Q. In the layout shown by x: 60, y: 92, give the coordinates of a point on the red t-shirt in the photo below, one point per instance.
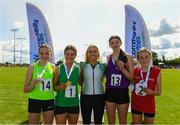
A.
x: 144, y: 103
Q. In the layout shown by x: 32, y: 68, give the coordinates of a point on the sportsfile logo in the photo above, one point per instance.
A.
x: 136, y: 40
x: 40, y: 36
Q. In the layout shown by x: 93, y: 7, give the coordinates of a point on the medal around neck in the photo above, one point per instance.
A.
x: 68, y: 83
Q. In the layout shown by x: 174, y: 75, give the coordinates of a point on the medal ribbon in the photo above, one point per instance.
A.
x: 147, y: 75
x: 43, y: 71
x: 68, y: 74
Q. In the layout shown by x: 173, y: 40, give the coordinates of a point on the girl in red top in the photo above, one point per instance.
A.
x: 147, y: 84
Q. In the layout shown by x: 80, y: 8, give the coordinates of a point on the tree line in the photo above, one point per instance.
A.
x: 156, y: 61
x: 164, y: 61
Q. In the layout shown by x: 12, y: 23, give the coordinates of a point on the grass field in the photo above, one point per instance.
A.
x: 13, y: 102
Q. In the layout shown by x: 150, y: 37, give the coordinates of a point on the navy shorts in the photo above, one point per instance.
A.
x: 70, y: 110
x: 37, y: 106
x: 150, y: 115
x: 118, y: 96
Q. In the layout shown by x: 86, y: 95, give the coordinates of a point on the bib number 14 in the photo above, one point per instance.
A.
x: 45, y: 85
x: 116, y: 79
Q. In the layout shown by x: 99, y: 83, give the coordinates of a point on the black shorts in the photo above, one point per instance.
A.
x: 150, y: 115
x: 70, y: 110
x: 36, y: 106
x: 118, y: 96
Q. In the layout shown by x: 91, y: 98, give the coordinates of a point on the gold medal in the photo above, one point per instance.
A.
x: 68, y: 83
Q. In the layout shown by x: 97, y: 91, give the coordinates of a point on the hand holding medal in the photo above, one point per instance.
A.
x: 63, y: 86
x: 120, y: 64
x: 36, y: 81
x: 148, y: 91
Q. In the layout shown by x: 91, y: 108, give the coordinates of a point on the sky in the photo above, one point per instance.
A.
x: 84, y: 22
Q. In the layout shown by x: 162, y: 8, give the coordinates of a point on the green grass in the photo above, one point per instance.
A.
x: 13, y: 102
x: 168, y: 104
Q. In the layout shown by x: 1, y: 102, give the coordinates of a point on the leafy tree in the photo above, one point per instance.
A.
x: 163, y: 59
x: 155, y: 58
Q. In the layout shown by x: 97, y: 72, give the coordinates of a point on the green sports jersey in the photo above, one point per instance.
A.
x: 43, y: 90
x: 69, y: 96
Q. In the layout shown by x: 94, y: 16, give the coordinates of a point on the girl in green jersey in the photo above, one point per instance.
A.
x: 66, y: 77
x: 39, y: 86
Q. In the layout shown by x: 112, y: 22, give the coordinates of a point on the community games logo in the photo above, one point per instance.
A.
x: 136, y: 40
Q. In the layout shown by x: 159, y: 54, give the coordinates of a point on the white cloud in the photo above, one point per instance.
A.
x: 93, y: 21
x: 168, y: 53
x: 18, y: 24
x: 7, y: 51
x: 164, y: 44
x: 177, y: 45
x: 165, y: 28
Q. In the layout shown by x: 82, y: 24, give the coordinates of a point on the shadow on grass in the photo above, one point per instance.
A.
x: 27, y: 122
x: 24, y: 122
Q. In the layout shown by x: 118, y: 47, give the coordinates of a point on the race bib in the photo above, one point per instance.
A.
x: 139, y: 88
x: 45, y: 85
x: 70, y: 91
x: 116, y: 79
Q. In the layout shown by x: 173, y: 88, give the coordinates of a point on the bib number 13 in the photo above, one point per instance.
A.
x: 115, y: 79
x: 45, y: 85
